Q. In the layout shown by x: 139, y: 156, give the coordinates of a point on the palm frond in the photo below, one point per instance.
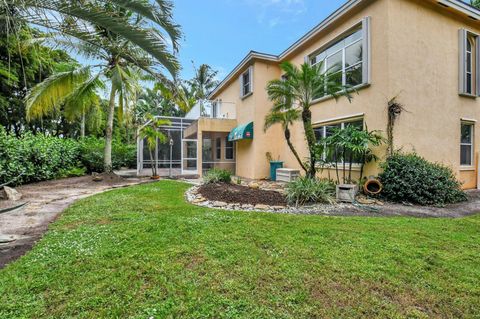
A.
x: 83, y: 98
x: 47, y: 96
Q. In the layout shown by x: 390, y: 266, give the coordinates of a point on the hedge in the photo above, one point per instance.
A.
x: 34, y: 158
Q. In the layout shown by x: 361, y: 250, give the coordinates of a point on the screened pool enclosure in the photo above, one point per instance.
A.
x: 178, y: 156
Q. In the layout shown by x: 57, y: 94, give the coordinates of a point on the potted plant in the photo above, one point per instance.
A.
x: 351, y: 145
x: 151, y: 134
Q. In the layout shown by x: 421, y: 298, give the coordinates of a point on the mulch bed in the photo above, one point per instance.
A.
x: 231, y: 193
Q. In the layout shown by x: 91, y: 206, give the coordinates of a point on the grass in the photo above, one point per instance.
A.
x: 143, y: 252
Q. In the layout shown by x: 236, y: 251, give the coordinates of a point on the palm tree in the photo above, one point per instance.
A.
x: 151, y: 134
x: 204, y: 81
x: 123, y: 61
x: 302, y: 86
x: 285, y: 116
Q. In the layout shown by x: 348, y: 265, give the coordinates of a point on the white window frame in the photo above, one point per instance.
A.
x: 228, y: 147
x: 471, y: 144
x: 364, y: 26
x: 250, y: 83
x: 342, y: 123
x: 464, y: 36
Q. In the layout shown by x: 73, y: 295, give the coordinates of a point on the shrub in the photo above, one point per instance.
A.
x: 91, y: 154
x: 34, y: 158
x: 71, y: 172
x: 216, y: 175
x: 410, y: 178
x: 305, y: 190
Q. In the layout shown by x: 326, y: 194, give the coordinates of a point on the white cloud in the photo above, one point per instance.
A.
x: 275, y: 12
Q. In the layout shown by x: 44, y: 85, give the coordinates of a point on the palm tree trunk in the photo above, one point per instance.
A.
x: 108, y: 132
x: 350, y: 167
x: 154, y: 165
x: 82, y: 126
x: 310, y: 136
x: 294, y: 151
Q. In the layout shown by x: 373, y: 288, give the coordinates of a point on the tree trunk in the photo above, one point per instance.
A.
x: 311, y: 140
x: 154, y: 165
x: 294, y: 151
x: 82, y: 126
x: 344, y: 167
x: 108, y: 132
x: 350, y: 167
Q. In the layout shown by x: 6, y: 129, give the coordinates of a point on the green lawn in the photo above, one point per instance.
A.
x: 143, y: 252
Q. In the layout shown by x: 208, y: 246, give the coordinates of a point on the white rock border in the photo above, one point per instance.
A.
x: 195, y: 198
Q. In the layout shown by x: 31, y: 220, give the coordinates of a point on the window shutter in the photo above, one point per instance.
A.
x: 366, y: 77
x: 477, y: 65
x: 462, y: 57
x: 250, y: 75
x: 241, y: 84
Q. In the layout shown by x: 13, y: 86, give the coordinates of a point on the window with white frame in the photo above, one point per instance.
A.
x: 246, y: 83
x: 229, y: 153
x: 218, y: 148
x: 466, y: 144
x: 469, y: 67
x: 322, y: 132
x: 346, y: 60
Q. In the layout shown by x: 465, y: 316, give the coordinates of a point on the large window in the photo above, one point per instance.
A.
x: 229, y: 149
x: 246, y: 83
x: 347, y: 59
x: 469, y: 63
x: 466, y: 144
x: 331, y: 155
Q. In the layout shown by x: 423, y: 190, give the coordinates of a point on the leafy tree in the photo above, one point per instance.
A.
x: 122, y: 58
x: 23, y: 65
x: 298, y: 89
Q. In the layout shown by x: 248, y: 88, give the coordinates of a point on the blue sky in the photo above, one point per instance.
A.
x: 221, y: 32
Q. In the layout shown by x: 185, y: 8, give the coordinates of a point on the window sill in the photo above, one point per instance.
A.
x: 246, y: 95
x: 467, y: 95
x: 329, y: 97
x: 466, y: 168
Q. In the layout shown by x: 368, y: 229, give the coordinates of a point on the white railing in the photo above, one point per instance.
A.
x: 217, y: 109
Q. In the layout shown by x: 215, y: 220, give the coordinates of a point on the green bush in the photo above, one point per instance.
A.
x: 410, y: 178
x: 34, y: 158
x: 305, y: 190
x: 216, y: 175
x: 91, y: 154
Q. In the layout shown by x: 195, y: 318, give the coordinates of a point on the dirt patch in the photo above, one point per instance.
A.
x: 231, y: 193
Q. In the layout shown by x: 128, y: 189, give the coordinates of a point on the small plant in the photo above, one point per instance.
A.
x: 216, y: 175
x: 305, y: 190
x: 152, y: 136
x: 71, y: 172
x: 410, y: 178
x: 239, y: 181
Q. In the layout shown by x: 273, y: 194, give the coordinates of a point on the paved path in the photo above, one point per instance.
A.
x: 21, y: 228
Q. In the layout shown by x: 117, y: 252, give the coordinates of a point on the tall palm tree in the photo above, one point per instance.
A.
x: 121, y: 61
x: 204, y: 81
x: 298, y: 88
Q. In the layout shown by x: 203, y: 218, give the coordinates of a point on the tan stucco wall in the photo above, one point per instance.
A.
x: 414, y: 55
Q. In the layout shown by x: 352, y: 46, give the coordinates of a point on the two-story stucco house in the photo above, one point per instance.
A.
x: 426, y: 52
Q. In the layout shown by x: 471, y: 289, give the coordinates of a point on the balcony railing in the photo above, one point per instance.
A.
x: 217, y: 109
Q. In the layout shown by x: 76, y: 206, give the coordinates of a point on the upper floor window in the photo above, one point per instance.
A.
x: 346, y: 60
x: 469, y: 67
x: 246, y: 87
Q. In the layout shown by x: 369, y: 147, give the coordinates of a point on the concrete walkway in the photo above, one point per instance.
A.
x: 21, y: 228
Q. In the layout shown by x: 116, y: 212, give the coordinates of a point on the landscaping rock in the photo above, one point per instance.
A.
x: 199, y: 200
x: 254, y: 185
x: 262, y: 207
x: 364, y: 200
x: 9, y: 193
x: 247, y: 206
x: 278, y: 207
x: 219, y: 204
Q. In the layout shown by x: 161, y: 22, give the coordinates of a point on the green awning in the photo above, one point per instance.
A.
x: 242, y: 132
